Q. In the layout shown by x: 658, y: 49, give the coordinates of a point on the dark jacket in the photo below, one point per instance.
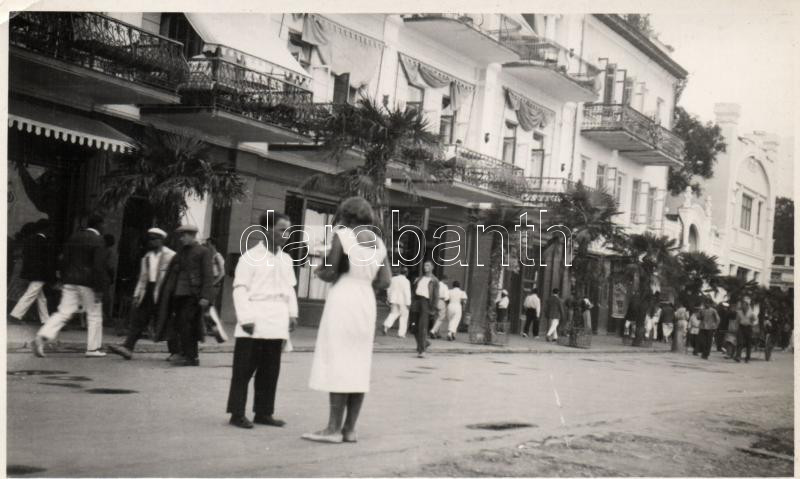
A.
x: 554, y: 308
x: 190, y: 268
x: 85, y: 261
x: 38, y: 259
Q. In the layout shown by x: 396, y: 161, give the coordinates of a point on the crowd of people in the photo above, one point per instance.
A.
x: 176, y: 289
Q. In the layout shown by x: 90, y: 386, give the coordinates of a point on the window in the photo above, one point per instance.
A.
x: 414, y: 98
x: 742, y: 273
x: 446, y: 122
x: 758, y: 218
x: 778, y: 260
x: 747, y: 212
x: 343, y: 92
x: 510, y: 143
x: 791, y: 261
x: 300, y: 50
x: 635, y: 192
x: 659, y: 110
x: 732, y: 270
x: 537, y: 155
x: 601, y: 177
x: 177, y: 27
x: 756, y: 275
x: 316, y: 216
x: 618, y: 187
x: 651, y: 206
x: 584, y: 165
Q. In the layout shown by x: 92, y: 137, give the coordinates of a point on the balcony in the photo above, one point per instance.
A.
x: 89, y: 58
x: 620, y: 127
x: 541, y: 190
x: 476, y: 170
x: 553, y: 68
x: 463, y: 33
x: 223, y: 98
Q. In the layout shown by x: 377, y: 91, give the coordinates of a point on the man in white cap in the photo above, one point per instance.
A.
x: 152, y: 271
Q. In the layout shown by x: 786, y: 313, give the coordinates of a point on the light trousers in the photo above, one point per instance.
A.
x: 667, y: 328
x: 441, y: 316
x: 453, y: 318
x: 397, y: 311
x: 73, y: 296
x: 34, y: 293
x: 553, y: 331
x: 649, y: 329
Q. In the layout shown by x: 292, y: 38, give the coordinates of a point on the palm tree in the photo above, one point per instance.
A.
x: 589, y: 215
x: 167, y: 168
x: 737, y: 288
x: 697, y: 272
x: 382, y: 136
x: 649, y: 255
x: 483, y: 328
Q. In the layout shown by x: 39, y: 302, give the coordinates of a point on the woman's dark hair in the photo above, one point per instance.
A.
x: 555, y: 291
x: 456, y: 284
x: 355, y: 211
x: 268, y: 221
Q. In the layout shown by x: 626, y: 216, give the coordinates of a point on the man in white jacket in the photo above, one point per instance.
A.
x: 152, y: 271
x: 399, y: 297
x: 266, y: 311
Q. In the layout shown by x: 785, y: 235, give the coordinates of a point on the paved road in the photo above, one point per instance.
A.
x: 416, y: 420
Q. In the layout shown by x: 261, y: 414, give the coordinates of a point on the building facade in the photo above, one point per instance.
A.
x: 524, y: 105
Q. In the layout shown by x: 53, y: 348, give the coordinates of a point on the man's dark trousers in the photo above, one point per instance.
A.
x: 261, y: 357
x: 744, y: 341
x: 187, y: 315
x: 531, y: 320
x: 706, y: 337
x: 141, y: 319
x: 419, y: 314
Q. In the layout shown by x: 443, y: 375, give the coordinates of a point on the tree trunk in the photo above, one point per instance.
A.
x: 495, y: 271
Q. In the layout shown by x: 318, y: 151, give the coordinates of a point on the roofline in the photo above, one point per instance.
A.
x: 644, y: 44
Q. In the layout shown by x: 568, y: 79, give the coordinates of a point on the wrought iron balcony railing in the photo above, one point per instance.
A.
x: 103, y: 44
x: 599, y: 116
x: 550, y: 54
x: 485, y: 172
x: 544, y: 189
x: 495, y: 25
x: 219, y: 83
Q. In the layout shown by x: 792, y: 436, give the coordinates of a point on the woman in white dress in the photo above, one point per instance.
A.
x: 458, y: 299
x: 343, y: 351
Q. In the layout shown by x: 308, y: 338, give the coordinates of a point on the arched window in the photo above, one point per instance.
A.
x: 693, y: 238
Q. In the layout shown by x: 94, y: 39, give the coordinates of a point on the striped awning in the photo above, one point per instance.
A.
x: 66, y: 126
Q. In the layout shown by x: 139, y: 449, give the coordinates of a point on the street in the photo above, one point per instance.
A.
x: 449, y: 414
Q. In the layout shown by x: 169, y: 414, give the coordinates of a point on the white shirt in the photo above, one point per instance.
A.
x: 444, y: 292
x: 153, y: 258
x: 422, y: 287
x: 399, y: 291
x: 503, y: 302
x: 457, y: 297
x: 263, y: 293
x: 532, y: 302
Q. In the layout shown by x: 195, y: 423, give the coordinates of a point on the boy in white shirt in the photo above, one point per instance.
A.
x: 266, y: 311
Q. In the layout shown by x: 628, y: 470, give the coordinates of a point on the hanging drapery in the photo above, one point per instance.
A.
x: 529, y: 114
x: 425, y: 76
x: 342, y: 49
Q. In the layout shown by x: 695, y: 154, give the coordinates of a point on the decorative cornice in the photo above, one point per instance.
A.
x: 644, y: 44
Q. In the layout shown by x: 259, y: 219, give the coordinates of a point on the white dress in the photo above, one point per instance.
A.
x: 343, y: 351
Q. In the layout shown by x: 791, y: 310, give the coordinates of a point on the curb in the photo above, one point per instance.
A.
x: 71, y: 347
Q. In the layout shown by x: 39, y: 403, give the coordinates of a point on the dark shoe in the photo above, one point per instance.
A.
x: 241, y: 421
x: 269, y: 421
x: 121, y: 350
x: 188, y: 362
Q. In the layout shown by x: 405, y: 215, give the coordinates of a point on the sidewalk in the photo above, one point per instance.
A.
x: 19, y: 335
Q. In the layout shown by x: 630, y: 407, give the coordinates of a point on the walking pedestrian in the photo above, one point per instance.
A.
x: 694, y: 331
x: 553, y: 312
x: 266, y: 312
x: 651, y: 318
x: 187, y: 293
x: 681, y: 328
x: 745, y: 320
x: 441, y: 308
x: 39, y: 268
x: 502, y: 306
x: 455, y: 308
x: 342, y: 358
x: 153, y: 269
x: 709, y: 322
x: 586, y: 315
x: 423, y: 305
x: 532, y: 306
x: 667, y: 321
x: 399, y: 298
x: 217, y: 269
x: 84, y: 275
